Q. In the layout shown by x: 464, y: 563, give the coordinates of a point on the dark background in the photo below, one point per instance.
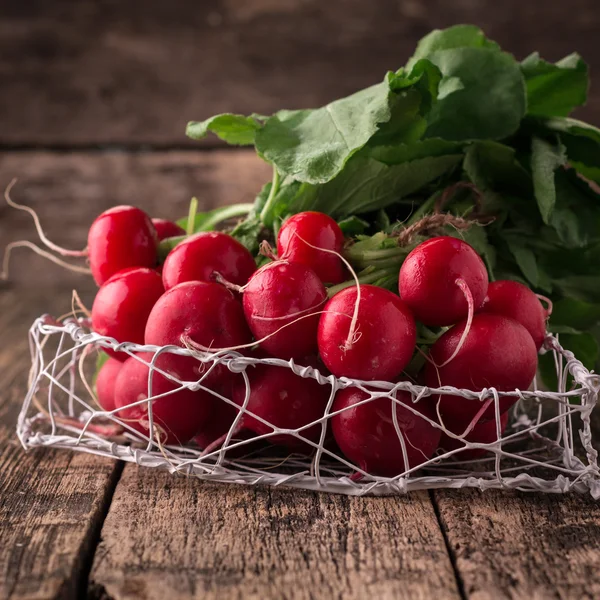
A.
x: 132, y: 72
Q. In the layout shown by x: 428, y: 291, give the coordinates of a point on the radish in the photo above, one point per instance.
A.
x: 166, y: 229
x: 284, y: 400
x: 300, y: 238
x: 515, y: 300
x: 201, y: 314
x: 497, y: 352
x: 443, y: 280
x: 371, y: 338
x: 221, y: 419
x: 177, y: 416
x: 105, y: 383
x: 202, y: 256
x: 123, y: 304
x: 223, y: 414
x: 367, y: 436
x: 278, y: 294
x: 119, y: 238
x: 483, y: 432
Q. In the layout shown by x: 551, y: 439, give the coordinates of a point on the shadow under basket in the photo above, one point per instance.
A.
x: 546, y: 447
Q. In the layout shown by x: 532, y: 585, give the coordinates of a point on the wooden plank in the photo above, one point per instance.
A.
x: 52, y: 503
x: 135, y: 72
x: 70, y: 190
x: 174, y: 537
x: 517, y: 545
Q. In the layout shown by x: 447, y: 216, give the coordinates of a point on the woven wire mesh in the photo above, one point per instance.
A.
x: 547, y: 445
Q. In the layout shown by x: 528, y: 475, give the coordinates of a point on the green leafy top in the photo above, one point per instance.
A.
x: 462, y: 114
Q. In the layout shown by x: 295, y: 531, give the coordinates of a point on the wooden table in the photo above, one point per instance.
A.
x: 93, y: 105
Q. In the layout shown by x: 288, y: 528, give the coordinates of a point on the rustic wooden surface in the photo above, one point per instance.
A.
x: 52, y: 504
x: 520, y: 545
x: 107, y: 72
x: 260, y: 543
x: 94, y: 100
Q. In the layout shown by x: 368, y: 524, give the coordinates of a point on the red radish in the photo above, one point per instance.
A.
x: 497, y: 352
x: 223, y: 414
x: 218, y: 425
x: 285, y: 400
x: 437, y: 277
x: 206, y: 314
x: 278, y: 294
x: 203, y: 255
x: 483, y: 432
x: 123, y: 304
x: 221, y: 420
x: 380, y: 345
x: 166, y: 229
x: 515, y: 300
x: 367, y: 436
x: 300, y: 238
x: 177, y: 416
x: 119, y: 238
x: 105, y: 383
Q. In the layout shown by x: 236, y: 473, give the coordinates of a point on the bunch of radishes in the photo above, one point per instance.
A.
x: 209, y: 296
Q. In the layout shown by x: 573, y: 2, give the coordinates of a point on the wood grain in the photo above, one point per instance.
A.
x: 107, y: 72
x: 517, y: 545
x: 70, y: 190
x: 52, y: 503
x: 174, y: 537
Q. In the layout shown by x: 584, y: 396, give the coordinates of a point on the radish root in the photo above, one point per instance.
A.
x: 41, y: 252
x: 218, y: 278
x: 462, y: 284
x: 265, y: 249
x: 353, y: 334
x: 49, y: 244
x: 547, y: 302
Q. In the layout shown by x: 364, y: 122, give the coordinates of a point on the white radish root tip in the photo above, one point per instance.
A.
x: 49, y: 244
x: 218, y: 278
x: 462, y: 284
x: 41, y: 252
x: 353, y: 334
x: 265, y: 249
x: 548, y: 302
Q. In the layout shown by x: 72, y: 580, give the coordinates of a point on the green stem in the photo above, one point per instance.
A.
x: 192, y: 216
x: 211, y: 219
x: 227, y: 212
x: 165, y: 246
x: 265, y: 213
x: 370, y: 277
x: 372, y: 255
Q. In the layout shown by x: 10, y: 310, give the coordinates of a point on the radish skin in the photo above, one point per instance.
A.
x: 382, y: 342
x: 105, y: 383
x: 484, y: 432
x: 428, y: 281
x: 119, y: 238
x: 515, y: 300
x: 123, y: 304
x: 302, y: 239
x: 280, y: 299
x: 285, y: 400
x: 177, y: 416
x: 367, y: 436
x: 498, y: 352
x: 202, y: 256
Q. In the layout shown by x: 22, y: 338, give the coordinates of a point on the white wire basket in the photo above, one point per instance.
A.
x: 546, y: 447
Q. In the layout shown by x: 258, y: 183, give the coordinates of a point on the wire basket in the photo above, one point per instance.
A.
x: 546, y: 447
